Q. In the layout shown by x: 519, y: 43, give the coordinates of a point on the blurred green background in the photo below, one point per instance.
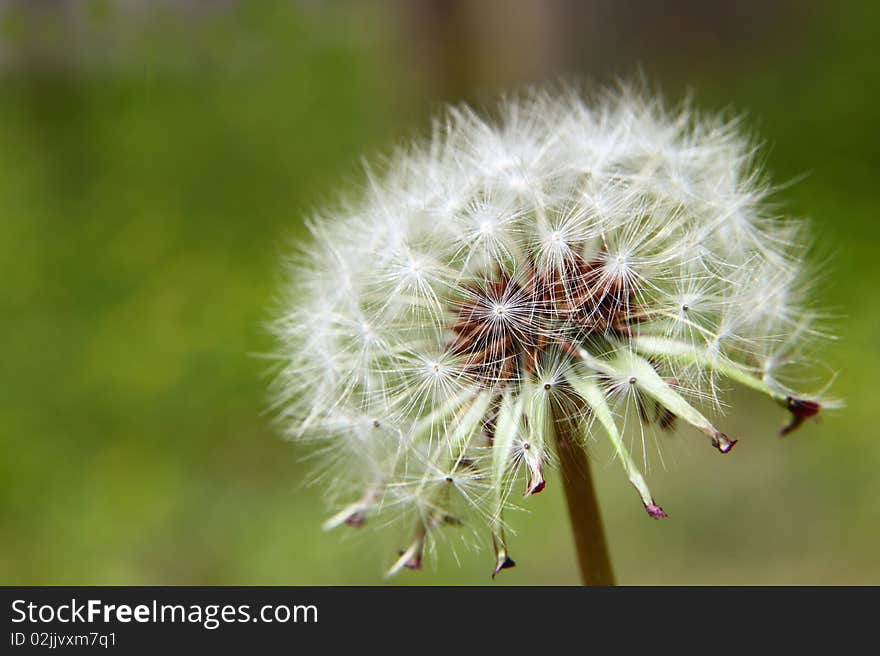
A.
x: 156, y: 160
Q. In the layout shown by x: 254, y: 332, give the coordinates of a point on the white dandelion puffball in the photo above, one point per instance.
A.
x: 612, y: 261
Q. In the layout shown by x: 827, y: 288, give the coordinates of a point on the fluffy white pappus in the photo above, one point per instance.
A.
x: 610, y: 261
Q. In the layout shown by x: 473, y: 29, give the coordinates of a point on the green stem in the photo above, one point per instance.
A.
x: 583, y: 507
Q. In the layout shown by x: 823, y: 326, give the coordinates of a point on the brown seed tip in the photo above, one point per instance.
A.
x: 655, y: 511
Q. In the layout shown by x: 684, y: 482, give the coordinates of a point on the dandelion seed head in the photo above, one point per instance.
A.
x: 613, y: 259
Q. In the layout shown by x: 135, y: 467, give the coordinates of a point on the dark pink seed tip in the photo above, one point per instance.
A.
x: 655, y: 511
x: 723, y: 444
x: 414, y: 562
x: 800, y: 410
x: 534, y: 488
x: 356, y: 519
x: 507, y: 563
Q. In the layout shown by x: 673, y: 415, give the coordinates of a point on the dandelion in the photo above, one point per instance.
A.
x: 508, y: 290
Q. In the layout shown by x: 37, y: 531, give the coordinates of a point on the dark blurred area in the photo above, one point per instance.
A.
x: 156, y: 162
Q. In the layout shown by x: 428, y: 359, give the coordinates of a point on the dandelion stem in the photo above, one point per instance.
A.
x: 583, y: 507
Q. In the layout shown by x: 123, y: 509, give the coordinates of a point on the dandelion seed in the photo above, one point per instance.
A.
x: 584, y: 259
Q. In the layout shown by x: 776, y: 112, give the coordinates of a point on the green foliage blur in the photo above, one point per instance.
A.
x: 155, y: 168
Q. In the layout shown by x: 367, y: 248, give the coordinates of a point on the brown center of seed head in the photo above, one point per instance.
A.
x: 506, y: 322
